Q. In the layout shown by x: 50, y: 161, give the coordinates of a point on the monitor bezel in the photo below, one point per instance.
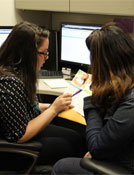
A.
x: 73, y: 65
x: 6, y: 27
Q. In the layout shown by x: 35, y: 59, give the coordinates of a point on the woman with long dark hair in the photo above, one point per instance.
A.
x: 109, y: 112
x: 22, y: 117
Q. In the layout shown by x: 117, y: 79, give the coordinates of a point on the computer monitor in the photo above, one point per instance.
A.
x: 73, y: 50
x: 4, y: 32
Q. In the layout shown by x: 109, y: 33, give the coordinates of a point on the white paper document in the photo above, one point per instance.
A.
x: 75, y: 85
x: 56, y: 83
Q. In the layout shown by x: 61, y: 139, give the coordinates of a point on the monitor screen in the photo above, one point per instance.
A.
x: 4, y: 32
x: 73, y: 46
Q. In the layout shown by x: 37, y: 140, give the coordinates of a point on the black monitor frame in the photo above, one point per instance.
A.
x: 73, y: 65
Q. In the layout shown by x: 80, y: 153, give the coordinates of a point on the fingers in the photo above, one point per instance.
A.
x: 71, y: 106
x: 66, y: 98
x: 66, y: 95
x: 63, y: 102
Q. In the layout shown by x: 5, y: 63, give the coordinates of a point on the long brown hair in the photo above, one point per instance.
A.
x: 112, y: 59
x: 18, y: 54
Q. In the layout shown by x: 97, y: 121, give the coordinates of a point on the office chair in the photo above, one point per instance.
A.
x: 12, y: 153
x: 102, y: 167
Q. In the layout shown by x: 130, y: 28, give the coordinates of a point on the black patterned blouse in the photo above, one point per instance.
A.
x: 15, y: 108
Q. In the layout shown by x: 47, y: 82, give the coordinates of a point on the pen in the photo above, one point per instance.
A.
x: 77, y: 92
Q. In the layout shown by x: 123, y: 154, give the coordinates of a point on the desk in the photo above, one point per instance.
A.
x: 72, y: 115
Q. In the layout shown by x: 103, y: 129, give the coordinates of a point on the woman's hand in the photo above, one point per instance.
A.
x: 35, y: 125
x: 61, y: 103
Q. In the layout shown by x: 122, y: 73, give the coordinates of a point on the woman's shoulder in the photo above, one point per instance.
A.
x: 11, y: 81
x: 10, y: 78
x: 127, y: 101
x: 129, y: 96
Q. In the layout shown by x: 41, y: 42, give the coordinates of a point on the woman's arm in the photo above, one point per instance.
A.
x: 20, y: 120
x: 44, y: 106
x: 106, y: 141
x: 34, y: 126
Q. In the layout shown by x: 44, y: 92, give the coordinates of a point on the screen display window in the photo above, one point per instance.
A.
x: 4, y: 34
x: 73, y: 45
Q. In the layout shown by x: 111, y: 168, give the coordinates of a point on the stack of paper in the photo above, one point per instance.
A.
x: 56, y: 83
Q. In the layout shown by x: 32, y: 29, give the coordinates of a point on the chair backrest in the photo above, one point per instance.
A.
x: 18, y: 158
x: 102, y: 167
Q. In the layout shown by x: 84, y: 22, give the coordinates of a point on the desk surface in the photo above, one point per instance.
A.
x: 72, y: 115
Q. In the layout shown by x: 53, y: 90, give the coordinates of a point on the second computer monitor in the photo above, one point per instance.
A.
x: 73, y: 46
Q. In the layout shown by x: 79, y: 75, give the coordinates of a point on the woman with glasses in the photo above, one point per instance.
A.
x: 22, y: 117
x: 109, y: 112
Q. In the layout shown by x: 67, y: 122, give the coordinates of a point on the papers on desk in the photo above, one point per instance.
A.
x: 56, y: 83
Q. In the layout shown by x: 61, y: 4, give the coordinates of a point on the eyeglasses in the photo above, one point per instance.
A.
x: 43, y: 53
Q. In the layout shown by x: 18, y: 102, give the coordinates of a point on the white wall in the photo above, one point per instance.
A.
x: 9, y: 16
x: 7, y: 13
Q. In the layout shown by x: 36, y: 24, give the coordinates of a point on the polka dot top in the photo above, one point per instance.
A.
x: 15, y: 108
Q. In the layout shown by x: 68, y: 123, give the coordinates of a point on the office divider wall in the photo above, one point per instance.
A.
x: 52, y: 62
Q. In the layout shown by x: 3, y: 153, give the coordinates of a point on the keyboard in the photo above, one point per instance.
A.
x: 49, y: 74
